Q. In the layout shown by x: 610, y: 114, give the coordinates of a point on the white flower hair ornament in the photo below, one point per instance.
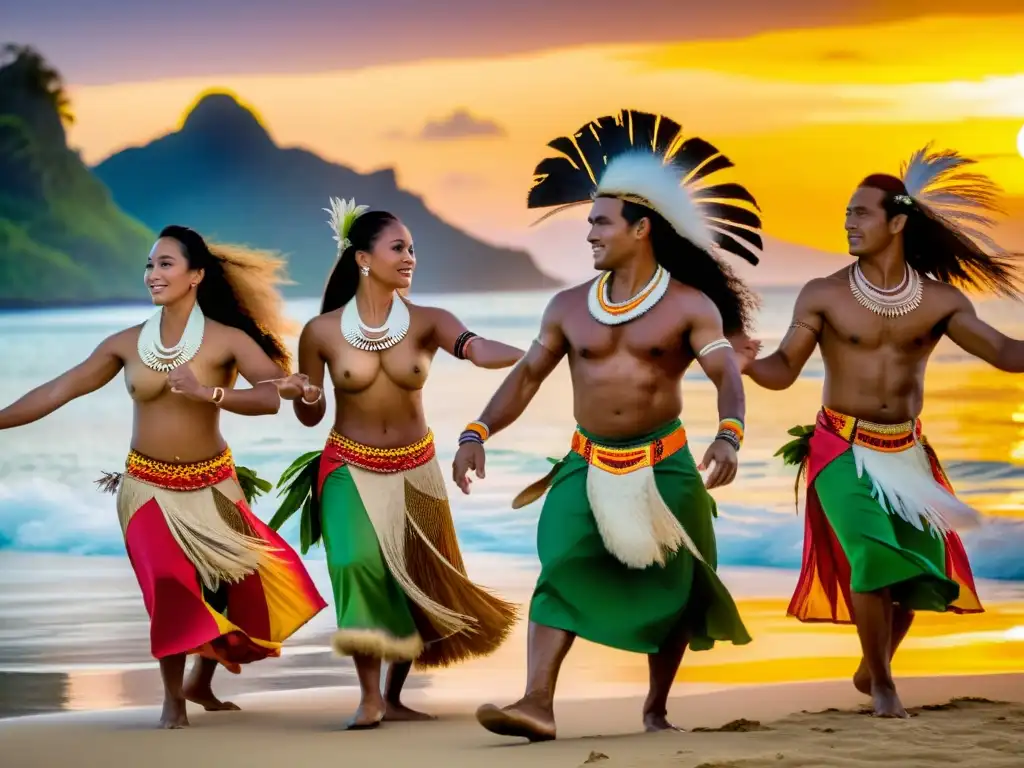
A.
x: 343, y: 215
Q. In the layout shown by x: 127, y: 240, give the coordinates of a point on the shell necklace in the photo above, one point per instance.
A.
x: 160, y: 358
x: 605, y: 311
x: 892, y: 302
x: 362, y: 336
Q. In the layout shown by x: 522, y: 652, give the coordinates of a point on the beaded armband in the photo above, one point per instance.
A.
x: 731, y: 430
x: 475, y: 432
x: 462, y: 343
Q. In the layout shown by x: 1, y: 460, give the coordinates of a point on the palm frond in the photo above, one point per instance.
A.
x: 252, y: 485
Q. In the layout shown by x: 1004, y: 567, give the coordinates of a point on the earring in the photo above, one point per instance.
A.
x: 365, y: 271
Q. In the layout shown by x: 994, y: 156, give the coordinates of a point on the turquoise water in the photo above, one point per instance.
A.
x: 48, y: 502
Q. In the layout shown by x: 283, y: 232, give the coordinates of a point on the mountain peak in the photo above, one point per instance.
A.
x: 221, y: 119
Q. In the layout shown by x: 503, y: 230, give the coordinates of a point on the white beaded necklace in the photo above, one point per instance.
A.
x: 605, y: 311
x: 160, y: 358
x: 367, y: 338
x: 893, y: 302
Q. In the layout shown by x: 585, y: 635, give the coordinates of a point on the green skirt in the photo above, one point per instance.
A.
x: 585, y: 590
x: 400, y: 586
x: 883, y: 550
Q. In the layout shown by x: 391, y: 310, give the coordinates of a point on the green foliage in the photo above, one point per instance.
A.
x: 298, y: 485
x: 252, y: 485
x: 62, y: 238
x: 796, y: 452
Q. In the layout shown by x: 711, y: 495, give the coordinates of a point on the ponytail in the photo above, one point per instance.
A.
x: 344, y: 278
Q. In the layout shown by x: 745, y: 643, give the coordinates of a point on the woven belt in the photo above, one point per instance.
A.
x: 620, y: 461
x: 384, y: 460
x: 890, y: 438
x: 180, y: 477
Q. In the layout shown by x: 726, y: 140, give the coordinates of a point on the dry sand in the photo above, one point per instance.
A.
x: 975, y: 721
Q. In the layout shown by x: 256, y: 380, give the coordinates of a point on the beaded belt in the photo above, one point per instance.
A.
x: 190, y: 476
x: 380, y: 459
x: 889, y: 438
x: 621, y: 461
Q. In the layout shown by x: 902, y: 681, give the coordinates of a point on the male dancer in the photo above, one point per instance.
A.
x: 878, y: 541
x: 625, y: 536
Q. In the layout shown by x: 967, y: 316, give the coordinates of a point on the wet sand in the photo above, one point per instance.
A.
x: 975, y: 721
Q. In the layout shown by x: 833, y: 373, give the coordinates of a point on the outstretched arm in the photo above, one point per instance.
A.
x: 781, y: 368
x: 719, y: 363
x: 976, y: 337
x: 524, y: 380
x: 455, y: 339
x: 97, y: 370
x: 514, y: 394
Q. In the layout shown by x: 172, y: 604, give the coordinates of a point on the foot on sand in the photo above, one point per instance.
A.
x: 208, y: 701
x: 396, y: 711
x: 366, y: 717
x: 862, y: 678
x: 173, y: 716
x: 656, y: 723
x: 886, y: 702
x: 524, y: 719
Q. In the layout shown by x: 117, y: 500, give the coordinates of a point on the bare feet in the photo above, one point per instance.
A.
x: 886, y: 702
x: 173, y: 716
x: 654, y: 723
x: 862, y: 678
x: 208, y: 701
x: 369, y: 715
x: 399, y: 713
x: 525, y: 718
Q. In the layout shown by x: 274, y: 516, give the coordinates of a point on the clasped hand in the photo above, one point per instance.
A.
x: 295, y: 386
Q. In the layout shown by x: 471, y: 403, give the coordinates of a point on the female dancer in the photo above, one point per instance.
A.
x: 215, y: 580
x: 376, y: 493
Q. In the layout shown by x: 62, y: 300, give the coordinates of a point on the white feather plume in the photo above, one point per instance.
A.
x: 645, y: 175
x: 343, y: 214
x: 937, y: 180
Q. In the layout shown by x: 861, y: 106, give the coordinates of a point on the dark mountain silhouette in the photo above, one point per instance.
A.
x: 62, y: 239
x: 223, y: 175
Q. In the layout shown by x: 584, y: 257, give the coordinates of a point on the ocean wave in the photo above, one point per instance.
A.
x: 38, y: 515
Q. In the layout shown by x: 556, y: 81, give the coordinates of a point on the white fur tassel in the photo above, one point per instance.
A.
x: 647, y: 176
x: 904, y: 485
x: 636, y: 526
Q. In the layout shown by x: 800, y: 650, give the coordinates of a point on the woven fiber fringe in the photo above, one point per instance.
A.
x: 636, y: 525
x: 411, y: 515
x: 207, y: 526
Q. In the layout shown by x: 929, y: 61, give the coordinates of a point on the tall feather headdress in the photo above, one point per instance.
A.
x: 643, y: 158
x: 965, y: 203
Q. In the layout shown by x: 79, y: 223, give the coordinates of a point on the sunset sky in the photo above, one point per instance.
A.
x: 806, y: 100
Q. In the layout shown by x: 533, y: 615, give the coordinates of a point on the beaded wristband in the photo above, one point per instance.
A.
x: 462, y: 343
x: 731, y: 430
x: 475, y: 432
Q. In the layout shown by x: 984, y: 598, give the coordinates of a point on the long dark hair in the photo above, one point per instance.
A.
x: 344, y: 278
x: 239, y: 289
x: 697, y: 268
x: 935, y: 247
